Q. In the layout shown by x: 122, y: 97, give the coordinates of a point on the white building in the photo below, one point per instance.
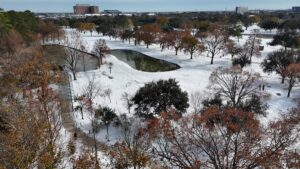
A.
x: 241, y: 10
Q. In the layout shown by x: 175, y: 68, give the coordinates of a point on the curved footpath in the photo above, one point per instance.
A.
x: 68, y: 122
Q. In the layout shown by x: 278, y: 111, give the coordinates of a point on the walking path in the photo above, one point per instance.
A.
x: 68, y: 122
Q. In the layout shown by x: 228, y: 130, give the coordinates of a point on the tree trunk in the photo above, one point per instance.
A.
x: 81, y: 113
x: 290, y: 89
x: 74, y: 74
x: 95, y: 145
x: 107, y: 132
x: 191, y: 55
x: 147, y: 45
x: 176, y: 51
x: 282, y: 79
x: 98, y: 60
x: 83, y: 63
x: 212, y: 59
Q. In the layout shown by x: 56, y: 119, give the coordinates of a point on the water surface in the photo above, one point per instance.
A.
x: 143, y: 62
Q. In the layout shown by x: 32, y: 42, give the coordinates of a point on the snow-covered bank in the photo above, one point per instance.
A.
x: 193, y: 75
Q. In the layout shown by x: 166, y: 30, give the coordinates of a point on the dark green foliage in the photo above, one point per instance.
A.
x: 287, y: 39
x: 127, y: 35
x: 269, y: 24
x: 122, y: 22
x: 202, y: 26
x: 215, y: 101
x: 278, y: 62
x: 291, y: 24
x: 24, y: 22
x: 106, y: 114
x: 157, y: 97
x: 241, y: 61
x: 3, y: 124
x: 255, y: 105
x: 247, y: 21
x: 5, y: 25
x: 104, y: 29
x: 235, y: 30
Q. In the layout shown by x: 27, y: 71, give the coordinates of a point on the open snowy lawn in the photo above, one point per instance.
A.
x: 193, y: 76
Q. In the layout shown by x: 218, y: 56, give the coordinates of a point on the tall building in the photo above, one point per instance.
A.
x: 81, y: 9
x: 241, y: 10
x: 94, y: 9
x: 296, y: 9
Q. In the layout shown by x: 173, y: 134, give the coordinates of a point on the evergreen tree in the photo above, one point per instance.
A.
x: 157, y: 97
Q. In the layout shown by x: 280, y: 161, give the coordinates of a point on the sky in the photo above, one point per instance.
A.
x: 146, y: 5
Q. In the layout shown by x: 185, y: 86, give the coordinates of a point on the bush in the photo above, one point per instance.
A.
x: 242, y: 61
x: 157, y: 97
x: 105, y: 114
x: 215, y: 101
x: 255, y: 105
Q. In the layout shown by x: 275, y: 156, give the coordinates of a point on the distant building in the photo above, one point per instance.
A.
x: 296, y: 9
x: 241, y: 10
x: 82, y: 9
x: 112, y: 12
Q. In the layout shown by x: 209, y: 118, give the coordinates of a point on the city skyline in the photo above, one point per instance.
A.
x: 145, y: 5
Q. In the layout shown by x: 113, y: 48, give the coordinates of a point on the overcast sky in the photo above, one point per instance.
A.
x: 146, y: 5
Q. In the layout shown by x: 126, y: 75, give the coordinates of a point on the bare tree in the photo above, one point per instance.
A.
x: 253, y: 46
x: 110, y: 66
x: 234, y: 84
x: 82, y: 104
x: 90, y: 91
x: 149, y: 33
x: 176, y: 40
x: 126, y: 98
x: 73, y: 43
x: 196, y: 101
x: 232, y: 48
x: 100, y: 50
x: 107, y: 93
x: 293, y: 74
x: 214, y: 40
x: 132, y: 151
x: 223, y: 139
x: 278, y: 61
x: 83, y: 54
x: 192, y: 45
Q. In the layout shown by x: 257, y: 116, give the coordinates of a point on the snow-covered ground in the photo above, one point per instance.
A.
x: 193, y: 76
x: 253, y: 27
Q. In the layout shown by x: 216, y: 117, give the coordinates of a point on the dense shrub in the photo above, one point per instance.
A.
x: 157, y: 97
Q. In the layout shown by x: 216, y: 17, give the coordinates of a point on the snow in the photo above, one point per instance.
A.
x: 193, y: 76
x: 261, y: 31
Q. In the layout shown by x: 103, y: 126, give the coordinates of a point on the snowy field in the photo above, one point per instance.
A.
x: 193, y: 76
